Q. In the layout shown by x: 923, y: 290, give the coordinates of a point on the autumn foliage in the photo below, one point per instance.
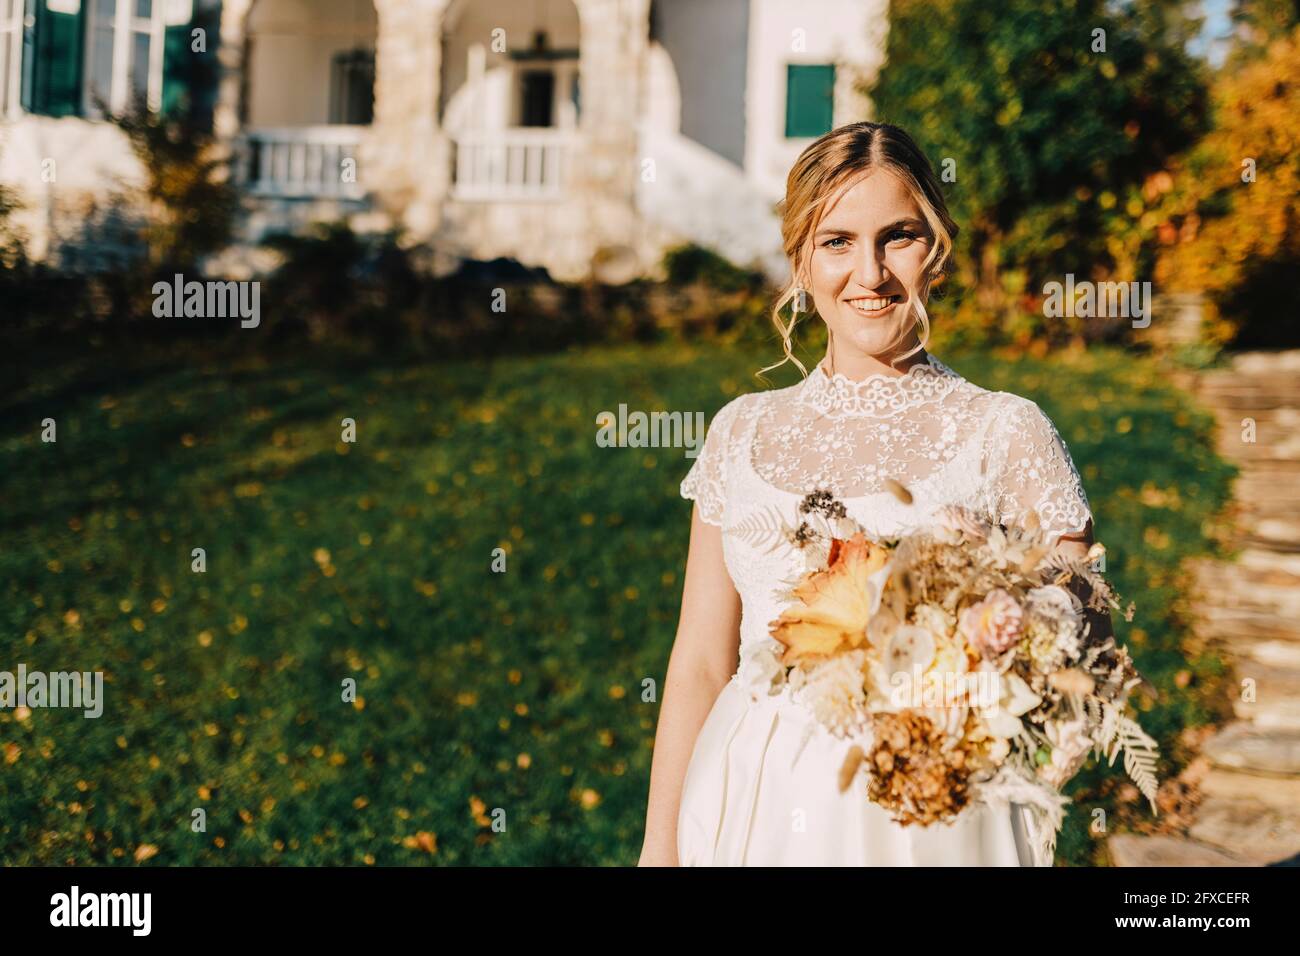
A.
x: 1231, y: 227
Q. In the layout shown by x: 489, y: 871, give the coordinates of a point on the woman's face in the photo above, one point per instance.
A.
x: 867, y: 253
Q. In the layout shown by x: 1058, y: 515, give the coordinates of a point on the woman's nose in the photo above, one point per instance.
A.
x: 871, y: 272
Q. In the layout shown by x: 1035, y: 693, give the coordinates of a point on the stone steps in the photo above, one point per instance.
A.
x: 1245, y: 748
x: 1233, y: 625
x: 1253, y: 564
x: 1281, y: 363
x: 1272, y: 444
x: 1268, y: 493
x: 1231, y: 405
x: 1253, y: 831
x: 1259, y: 396
x: 1274, y: 666
x: 1280, y: 793
x: 1276, y: 704
x: 1267, y: 562
x: 1238, y: 587
x: 1130, y: 849
x: 1281, y: 534
x: 1250, y: 809
x: 1244, y: 820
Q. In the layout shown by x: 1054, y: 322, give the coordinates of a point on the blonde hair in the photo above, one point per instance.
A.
x: 831, y: 163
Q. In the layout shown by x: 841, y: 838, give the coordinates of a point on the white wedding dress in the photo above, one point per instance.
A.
x: 761, y: 787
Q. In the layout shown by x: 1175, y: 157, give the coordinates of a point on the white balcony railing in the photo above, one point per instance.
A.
x: 307, y: 162
x: 511, y: 164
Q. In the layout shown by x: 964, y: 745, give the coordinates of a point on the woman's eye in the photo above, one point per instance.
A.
x: 903, y: 234
x: 836, y: 239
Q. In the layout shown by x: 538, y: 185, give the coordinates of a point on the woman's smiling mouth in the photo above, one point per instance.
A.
x: 873, y: 305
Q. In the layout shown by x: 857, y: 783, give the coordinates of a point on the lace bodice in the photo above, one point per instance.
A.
x: 945, y: 439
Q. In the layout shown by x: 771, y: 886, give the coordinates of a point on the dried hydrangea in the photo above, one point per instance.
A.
x: 911, y: 775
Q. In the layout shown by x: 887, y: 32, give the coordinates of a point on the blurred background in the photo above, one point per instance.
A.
x: 475, y: 226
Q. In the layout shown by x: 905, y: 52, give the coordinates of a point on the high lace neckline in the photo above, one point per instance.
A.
x: 836, y: 395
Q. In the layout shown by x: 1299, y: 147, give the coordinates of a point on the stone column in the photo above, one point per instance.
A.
x: 614, y: 39
x: 406, y: 159
x: 226, y: 124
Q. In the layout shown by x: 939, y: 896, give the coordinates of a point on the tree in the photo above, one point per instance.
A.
x: 12, y: 247
x: 192, y: 204
x: 1231, y: 224
x: 1257, y: 23
x: 1055, y: 115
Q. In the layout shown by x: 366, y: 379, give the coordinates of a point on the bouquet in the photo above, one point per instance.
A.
x: 957, y: 663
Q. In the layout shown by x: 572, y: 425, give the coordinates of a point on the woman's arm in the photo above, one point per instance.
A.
x: 703, y: 658
x: 1033, y: 470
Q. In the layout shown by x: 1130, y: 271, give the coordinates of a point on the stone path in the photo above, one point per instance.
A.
x: 1249, y: 774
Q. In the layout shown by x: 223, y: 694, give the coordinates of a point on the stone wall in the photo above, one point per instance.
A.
x: 76, y: 180
x: 594, y: 230
x: 406, y: 162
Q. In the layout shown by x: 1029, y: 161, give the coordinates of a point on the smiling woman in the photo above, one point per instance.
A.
x: 874, y: 275
x: 742, y: 776
x: 869, y: 236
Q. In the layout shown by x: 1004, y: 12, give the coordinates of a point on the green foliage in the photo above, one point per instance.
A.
x: 12, y: 247
x: 335, y: 284
x: 371, y: 560
x: 191, y: 202
x: 1051, y: 139
x: 16, y: 269
x: 689, y: 263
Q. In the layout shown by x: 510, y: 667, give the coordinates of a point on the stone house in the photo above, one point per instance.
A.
x: 585, y: 136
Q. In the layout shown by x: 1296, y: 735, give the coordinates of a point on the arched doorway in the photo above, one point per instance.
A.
x: 308, y: 95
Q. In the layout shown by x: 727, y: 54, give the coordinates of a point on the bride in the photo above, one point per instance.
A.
x: 742, y: 778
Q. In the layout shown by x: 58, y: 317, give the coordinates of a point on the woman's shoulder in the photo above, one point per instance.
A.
x: 741, y: 407
x: 1009, y: 409
x: 1023, y: 413
x: 1012, y: 403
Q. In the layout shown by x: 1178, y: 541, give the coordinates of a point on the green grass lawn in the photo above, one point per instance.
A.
x: 514, y: 697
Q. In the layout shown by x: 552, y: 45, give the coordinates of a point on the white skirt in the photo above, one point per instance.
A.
x: 756, y: 793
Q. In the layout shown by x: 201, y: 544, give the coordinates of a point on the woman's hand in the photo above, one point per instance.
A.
x: 1077, y: 546
x: 657, y: 856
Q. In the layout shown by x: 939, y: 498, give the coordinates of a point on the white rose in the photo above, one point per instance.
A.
x: 1056, y: 603
x: 1070, y: 748
x: 1017, y: 698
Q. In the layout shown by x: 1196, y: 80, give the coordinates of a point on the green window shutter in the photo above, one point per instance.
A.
x: 189, y: 78
x: 52, y: 58
x: 809, y: 99
x: 176, y: 92
x: 28, y: 79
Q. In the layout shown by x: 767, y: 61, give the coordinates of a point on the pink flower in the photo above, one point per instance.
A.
x: 994, y: 624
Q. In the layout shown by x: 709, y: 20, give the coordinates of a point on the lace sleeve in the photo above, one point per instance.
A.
x: 1032, y: 468
x: 706, y: 482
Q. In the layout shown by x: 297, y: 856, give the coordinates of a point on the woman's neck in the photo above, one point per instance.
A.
x: 858, y: 367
